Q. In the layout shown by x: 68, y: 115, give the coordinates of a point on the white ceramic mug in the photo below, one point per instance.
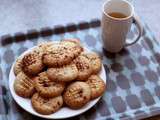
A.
x: 114, y: 30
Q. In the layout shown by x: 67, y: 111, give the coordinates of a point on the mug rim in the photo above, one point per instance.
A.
x: 126, y: 18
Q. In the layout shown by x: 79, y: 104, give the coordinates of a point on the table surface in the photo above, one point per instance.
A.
x: 22, y: 15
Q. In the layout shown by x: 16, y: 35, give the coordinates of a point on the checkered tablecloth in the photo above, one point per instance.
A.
x: 133, y: 75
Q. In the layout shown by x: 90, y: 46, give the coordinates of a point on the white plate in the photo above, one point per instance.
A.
x: 64, y: 112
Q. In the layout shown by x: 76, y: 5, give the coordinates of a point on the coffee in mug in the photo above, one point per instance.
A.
x: 117, y: 15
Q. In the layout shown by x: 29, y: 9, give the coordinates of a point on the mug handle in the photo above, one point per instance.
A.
x: 138, y: 24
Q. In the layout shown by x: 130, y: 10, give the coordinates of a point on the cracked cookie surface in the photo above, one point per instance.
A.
x: 97, y: 86
x: 32, y: 63
x: 95, y: 61
x: 46, y: 87
x: 23, y: 85
x: 77, y: 95
x: 84, y: 67
x: 61, y: 53
x: 46, y: 106
x: 18, y: 66
x: 65, y: 73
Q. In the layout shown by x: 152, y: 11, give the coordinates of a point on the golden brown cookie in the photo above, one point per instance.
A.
x: 46, y: 106
x: 61, y: 53
x: 77, y: 95
x: 95, y: 61
x: 23, y: 85
x: 17, y: 66
x: 77, y: 41
x: 73, y: 46
x: 32, y: 63
x: 63, y: 74
x: 84, y: 67
x: 46, y: 87
x: 42, y: 47
x: 97, y: 86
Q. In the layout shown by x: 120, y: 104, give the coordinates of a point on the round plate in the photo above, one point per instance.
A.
x: 64, y: 112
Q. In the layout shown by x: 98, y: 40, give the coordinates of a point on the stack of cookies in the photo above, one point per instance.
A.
x: 56, y: 74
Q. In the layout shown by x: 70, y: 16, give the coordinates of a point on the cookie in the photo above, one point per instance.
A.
x: 63, y: 74
x: 73, y: 46
x: 32, y: 63
x: 46, y: 87
x: 77, y: 95
x: 95, y: 62
x: 97, y: 86
x: 17, y: 66
x: 61, y: 53
x: 46, y: 106
x: 75, y: 40
x: 42, y: 47
x: 84, y: 67
x: 23, y: 85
